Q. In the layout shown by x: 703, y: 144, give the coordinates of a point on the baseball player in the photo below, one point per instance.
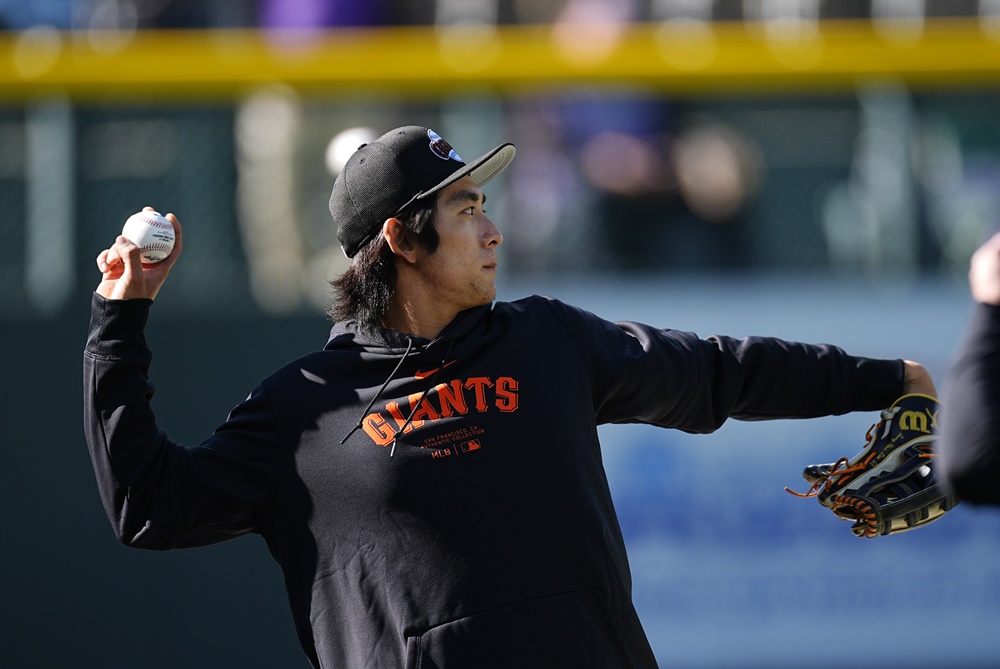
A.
x: 970, y: 434
x: 430, y: 482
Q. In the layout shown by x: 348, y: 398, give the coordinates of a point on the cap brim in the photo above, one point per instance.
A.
x: 481, y: 170
x: 493, y: 163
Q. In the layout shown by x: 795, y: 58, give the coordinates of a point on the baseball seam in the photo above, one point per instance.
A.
x: 158, y: 223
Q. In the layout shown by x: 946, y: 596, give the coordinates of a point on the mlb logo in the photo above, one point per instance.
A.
x: 471, y: 445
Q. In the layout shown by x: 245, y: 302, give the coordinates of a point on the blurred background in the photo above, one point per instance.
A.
x: 818, y: 170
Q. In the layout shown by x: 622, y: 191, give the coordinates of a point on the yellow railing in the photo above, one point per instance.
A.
x: 701, y: 59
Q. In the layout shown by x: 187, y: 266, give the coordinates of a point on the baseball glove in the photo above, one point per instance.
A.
x: 889, y: 487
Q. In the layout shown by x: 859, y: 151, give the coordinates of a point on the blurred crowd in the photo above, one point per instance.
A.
x: 877, y: 181
x: 137, y: 14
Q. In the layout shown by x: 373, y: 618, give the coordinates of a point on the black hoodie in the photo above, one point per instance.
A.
x: 467, y: 522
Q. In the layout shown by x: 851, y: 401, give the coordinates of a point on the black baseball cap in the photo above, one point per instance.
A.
x: 398, y: 168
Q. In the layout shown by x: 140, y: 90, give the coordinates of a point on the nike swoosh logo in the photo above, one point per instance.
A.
x: 419, y: 375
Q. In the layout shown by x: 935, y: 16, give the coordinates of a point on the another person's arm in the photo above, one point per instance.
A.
x: 970, y: 420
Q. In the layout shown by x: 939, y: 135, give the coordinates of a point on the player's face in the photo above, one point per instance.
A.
x: 463, y: 269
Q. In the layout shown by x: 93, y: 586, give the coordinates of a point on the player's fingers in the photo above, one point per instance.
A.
x: 117, y: 252
x: 111, y: 257
x: 102, y: 261
x: 178, y: 238
x: 177, y: 229
x: 109, y: 261
x: 130, y: 256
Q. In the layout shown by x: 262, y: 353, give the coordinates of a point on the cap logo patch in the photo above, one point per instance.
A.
x: 441, y: 148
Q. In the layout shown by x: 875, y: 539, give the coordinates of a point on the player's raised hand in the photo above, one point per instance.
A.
x: 125, y: 276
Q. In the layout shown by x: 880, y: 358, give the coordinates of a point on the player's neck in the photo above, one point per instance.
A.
x: 411, y: 317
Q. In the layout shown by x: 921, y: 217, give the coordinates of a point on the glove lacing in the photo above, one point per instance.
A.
x: 826, y: 478
x: 843, y: 466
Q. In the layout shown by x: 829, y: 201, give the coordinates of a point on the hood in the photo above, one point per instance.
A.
x: 348, y: 336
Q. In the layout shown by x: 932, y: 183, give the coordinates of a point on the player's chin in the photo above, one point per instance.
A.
x: 486, y: 293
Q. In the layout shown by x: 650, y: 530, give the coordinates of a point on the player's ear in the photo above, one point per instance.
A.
x: 398, y: 239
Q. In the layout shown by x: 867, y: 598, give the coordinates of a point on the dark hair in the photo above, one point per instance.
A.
x: 363, y: 292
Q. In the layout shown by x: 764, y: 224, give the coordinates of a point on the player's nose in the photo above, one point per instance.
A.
x: 493, y: 236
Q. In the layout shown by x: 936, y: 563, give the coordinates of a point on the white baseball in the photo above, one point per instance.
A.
x: 152, y: 233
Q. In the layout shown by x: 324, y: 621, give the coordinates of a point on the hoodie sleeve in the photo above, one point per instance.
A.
x: 676, y: 379
x: 157, y: 493
x: 969, y: 448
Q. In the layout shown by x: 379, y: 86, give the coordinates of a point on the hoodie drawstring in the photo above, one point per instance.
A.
x: 413, y: 412
x: 409, y: 419
x: 361, y: 418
